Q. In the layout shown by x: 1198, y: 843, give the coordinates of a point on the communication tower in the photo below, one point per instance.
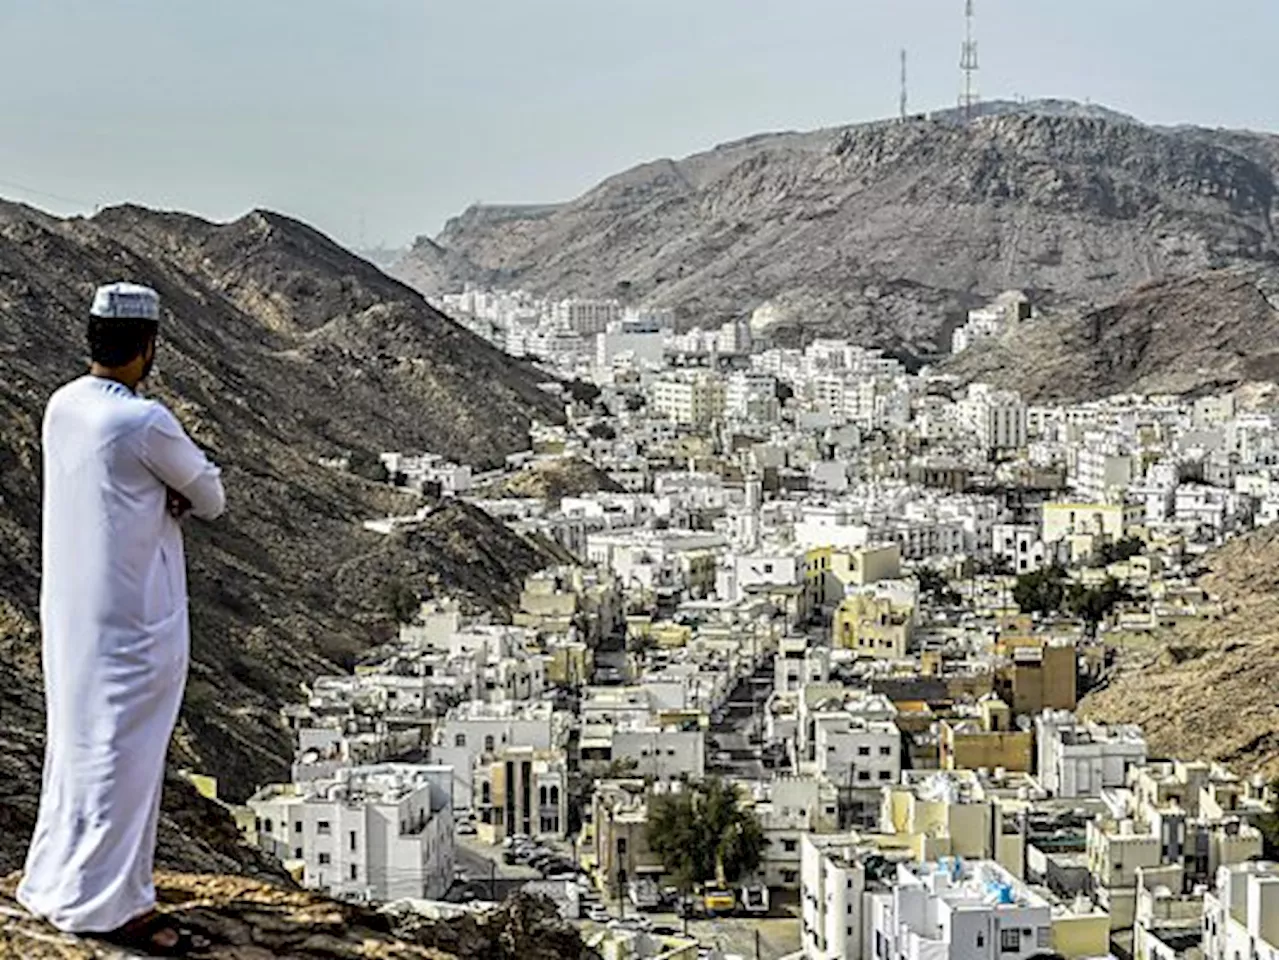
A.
x: 902, y: 84
x: 968, y: 65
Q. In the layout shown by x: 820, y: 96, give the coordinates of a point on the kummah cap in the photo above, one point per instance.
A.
x: 122, y: 301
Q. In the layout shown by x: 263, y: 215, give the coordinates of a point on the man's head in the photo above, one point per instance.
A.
x: 123, y: 323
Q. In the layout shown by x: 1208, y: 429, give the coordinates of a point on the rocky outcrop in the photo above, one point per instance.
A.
x: 886, y: 232
x: 552, y: 481
x: 283, y: 354
x: 1210, y: 331
x: 233, y: 918
x: 1208, y: 689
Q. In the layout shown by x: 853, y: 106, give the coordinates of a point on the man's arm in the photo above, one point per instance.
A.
x: 181, y: 465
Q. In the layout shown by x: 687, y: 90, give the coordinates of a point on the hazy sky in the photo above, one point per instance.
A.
x: 378, y: 119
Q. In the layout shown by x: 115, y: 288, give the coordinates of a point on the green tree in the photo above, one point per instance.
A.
x: 703, y: 834
x: 1121, y: 550
x: 1040, y: 591
x: 1092, y: 604
x: 399, y: 600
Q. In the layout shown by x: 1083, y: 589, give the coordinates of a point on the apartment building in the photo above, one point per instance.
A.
x: 377, y: 832
x: 1078, y: 759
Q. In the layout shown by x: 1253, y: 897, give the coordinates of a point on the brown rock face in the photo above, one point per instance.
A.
x: 1208, y: 690
x: 232, y: 918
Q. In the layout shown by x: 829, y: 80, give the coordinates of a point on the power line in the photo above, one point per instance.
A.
x: 23, y: 188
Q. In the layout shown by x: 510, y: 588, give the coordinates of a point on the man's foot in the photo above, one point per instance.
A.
x: 152, y: 933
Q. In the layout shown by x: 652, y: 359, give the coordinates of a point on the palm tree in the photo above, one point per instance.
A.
x: 703, y: 834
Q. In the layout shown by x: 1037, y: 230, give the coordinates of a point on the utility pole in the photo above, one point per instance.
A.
x: 902, y: 84
x: 968, y: 65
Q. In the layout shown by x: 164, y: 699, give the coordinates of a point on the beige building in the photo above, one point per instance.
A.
x: 522, y: 790
x: 877, y: 624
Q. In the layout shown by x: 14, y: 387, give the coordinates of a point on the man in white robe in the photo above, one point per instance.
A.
x: 119, y: 474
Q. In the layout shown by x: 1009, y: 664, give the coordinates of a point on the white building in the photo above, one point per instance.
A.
x: 798, y: 663
x: 997, y: 417
x: 585, y: 316
x: 664, y: 753
x: 475, y: 730
x: 954, y: 910
x: 379, y: 832
x: 1075, y: 759
x: 1242, y: 913
x: 1019, y: 545
x: 833, y: 885
x: 697, y: 398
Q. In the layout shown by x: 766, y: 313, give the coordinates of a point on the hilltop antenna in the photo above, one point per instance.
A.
x: 968, y: 64
x: 902, y: 84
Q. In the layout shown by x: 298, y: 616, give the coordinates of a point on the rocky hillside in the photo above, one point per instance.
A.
x: 280, y: 352
x: 1208, y: 331
x: 230, y: 918
x: 885, y: 232
x: 552, y: 480
x: 1209, y: 689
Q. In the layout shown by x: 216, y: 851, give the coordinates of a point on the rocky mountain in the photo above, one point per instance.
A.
x: 230, y: 918
x: 886, y: 232
x: 1207, y: 331
x: 285, y: 356
x: 1208, y: 689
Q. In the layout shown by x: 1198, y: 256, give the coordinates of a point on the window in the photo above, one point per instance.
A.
x: 486, y: 793
x: 789, y: 846
x: 864, y: 775
x: 555, y: 795
x: 322, y: 827
x: 885, y: 774
x: 324, y: 859
x: 1010, y: 940
x: 982, y: 940
x: 297, y: 826
x: 886, y: 751
x: 351, y: 839
x: 268, y: 824
x: 297, y: 853
x: 542, y: 795
x: 788, y: 876
x: 1042, y: 936
x: 355, y: 872
x: 488, y: 743
x: 460, y: 740
x: 864, y: 751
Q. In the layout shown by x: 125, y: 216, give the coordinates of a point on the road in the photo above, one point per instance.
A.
x: 741, y: 732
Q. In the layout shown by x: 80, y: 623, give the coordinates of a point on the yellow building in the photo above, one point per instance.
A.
x: 570, y: 664
x: 1078, y: 935
x: 948, y: 814
x: 1112, y: 520
x: 830, y: 572
x: 873, y: 625
x: 986, y: 741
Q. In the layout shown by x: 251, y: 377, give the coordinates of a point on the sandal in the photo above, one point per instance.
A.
x: 140, y: 934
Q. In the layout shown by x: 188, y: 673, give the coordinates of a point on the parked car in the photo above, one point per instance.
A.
x: 467, y: 828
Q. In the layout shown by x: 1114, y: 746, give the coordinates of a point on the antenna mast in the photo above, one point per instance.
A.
x: 968, y: 64
x: 902, y: 84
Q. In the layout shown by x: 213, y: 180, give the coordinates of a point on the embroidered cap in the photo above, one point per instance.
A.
x: 126, y: 301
